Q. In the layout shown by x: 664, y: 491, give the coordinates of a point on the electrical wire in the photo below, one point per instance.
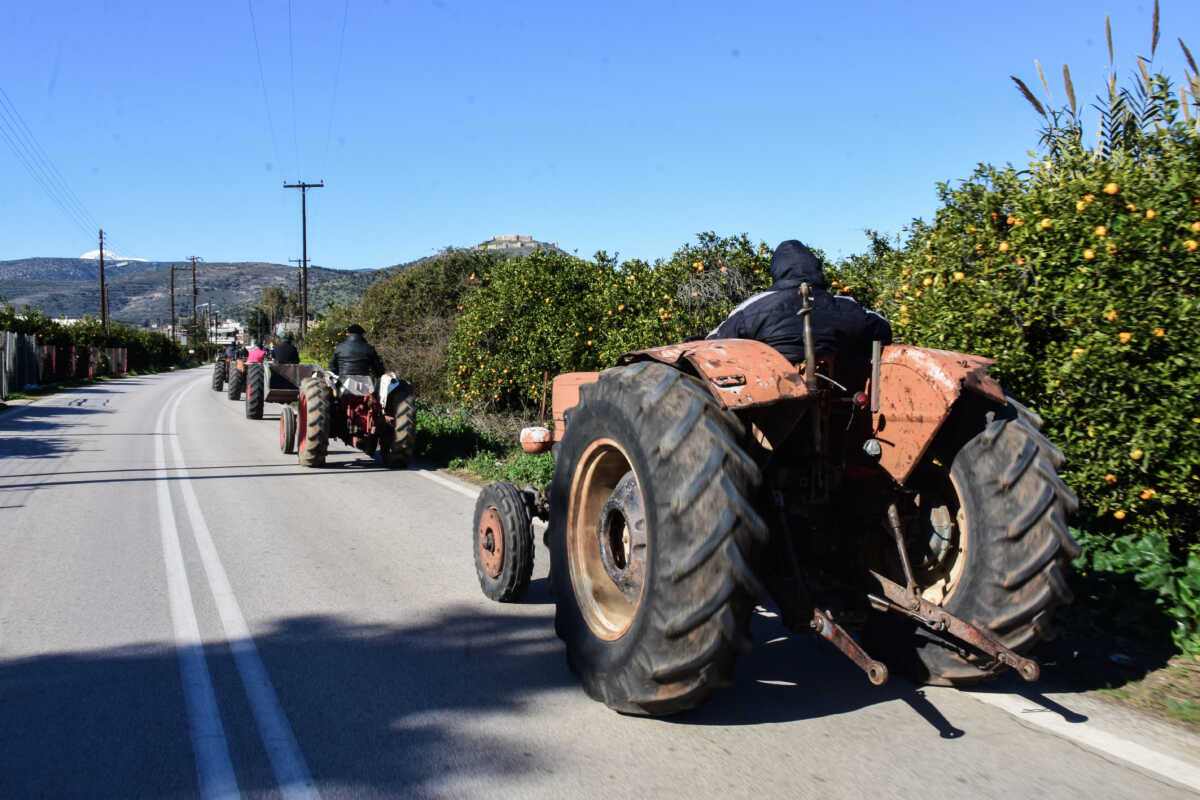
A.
x: 33, y: 173
x: 41, y: 167
x: 262, y: 80
x: 20, y: 150
x: 44, y: 158
x: 337, y: 74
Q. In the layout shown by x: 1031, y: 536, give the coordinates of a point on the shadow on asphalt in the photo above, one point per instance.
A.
x: 789, y: 677
x: 375, y: 708
x: 383, y: 709
x: 45, y: 417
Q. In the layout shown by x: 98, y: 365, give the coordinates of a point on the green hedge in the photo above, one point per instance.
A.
x: 147, y: 350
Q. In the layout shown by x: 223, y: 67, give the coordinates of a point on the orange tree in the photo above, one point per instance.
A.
x: 548, y: 313
x: 1081, y: 276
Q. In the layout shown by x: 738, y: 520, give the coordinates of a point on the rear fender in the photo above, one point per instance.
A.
x: 918, y: 388
x: 741, y: 374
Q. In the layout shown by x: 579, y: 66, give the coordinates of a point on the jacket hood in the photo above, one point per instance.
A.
x: 793, y: 264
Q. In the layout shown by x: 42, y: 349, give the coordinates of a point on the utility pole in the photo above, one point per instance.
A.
x: 300, y: 277
x: 174, y: 332
x: 304, y: 187
x: 103, y: 289
x: 195, y: 293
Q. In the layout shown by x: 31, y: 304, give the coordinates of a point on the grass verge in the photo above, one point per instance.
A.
x: 481, y: 446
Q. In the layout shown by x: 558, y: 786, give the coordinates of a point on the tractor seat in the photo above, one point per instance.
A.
x: 361, y: 385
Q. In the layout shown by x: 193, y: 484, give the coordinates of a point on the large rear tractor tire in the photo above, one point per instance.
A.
x: 1003, y: 543
x: 313, y: 421
x: 652, y: 540
x: 254, y: 390
x: 287, y: 430
x: 397, y: 452
x: 503, y: 542
x: 218, y: 375
x: 233, y: 388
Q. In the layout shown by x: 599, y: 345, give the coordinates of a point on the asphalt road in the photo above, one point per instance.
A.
x: 185, y: 611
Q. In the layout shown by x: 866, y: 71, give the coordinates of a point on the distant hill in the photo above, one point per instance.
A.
x: 139, y: 291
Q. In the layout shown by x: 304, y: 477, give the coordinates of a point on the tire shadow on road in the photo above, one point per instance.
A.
x: 789, y: 677
x: 404, y: 709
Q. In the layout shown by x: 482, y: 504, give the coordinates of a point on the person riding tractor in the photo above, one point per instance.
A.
x: 355, y: 356
x: 285, y: 351
x: 842, y: 329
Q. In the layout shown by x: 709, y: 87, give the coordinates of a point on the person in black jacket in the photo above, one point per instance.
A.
x: 841, y: 327
x: 355, y: 356
x: 231, y: 350
x: 285, y: 351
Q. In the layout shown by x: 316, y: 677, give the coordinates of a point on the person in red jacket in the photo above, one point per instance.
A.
x: 256, y: 354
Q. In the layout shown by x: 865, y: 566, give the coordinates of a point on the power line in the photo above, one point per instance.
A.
x: 41, y: 181
x: 337, y: 74
x: 41, y: 167
x: 262, y: 80
x: 44, y: 157
x: 23, y: 153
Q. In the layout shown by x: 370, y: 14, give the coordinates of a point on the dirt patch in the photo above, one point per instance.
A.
x: 1171, y: 693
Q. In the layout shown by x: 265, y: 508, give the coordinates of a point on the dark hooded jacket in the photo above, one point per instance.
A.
x: 285, y: 353
x: 841, y: 327
x: 355, y: 356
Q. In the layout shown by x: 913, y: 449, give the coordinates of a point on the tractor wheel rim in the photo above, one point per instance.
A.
x: 491, y: 542
x: 943, y: 589
x: 609, y: 594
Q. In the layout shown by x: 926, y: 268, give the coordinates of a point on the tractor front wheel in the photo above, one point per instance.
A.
x: 233, y: 389
x: 218, y: 375
x: 287, y: 431
x: 314, y: 419
x: 652, y: 540
x: 503, y: 542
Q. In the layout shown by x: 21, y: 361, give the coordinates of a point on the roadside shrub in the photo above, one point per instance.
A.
x: 537, y: 316
x: 410, y: 316
x: 147, y: 350
x: 325, y: 335
x: 1080, y: 275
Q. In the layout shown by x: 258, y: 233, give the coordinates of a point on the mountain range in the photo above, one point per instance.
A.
x: 139, y: 291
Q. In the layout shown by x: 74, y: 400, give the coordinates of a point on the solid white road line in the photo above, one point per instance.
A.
x: 282, y: 748
x: 1092, y: 737
x: 209, y: 747
x: 462, y: 488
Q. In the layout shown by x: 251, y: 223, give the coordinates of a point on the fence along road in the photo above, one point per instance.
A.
x: 349, y: 652
x: 25, y: 361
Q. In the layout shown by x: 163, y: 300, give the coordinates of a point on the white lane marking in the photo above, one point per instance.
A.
x: 1092, y: 737
x: 283, y: 750
x: 467, y: 491
x: 214, y: 769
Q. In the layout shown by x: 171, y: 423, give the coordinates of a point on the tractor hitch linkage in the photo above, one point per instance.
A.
x: 900, y: 600
x: 823, y: 624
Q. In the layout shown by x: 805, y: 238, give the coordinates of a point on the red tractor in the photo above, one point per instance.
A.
x: 914, y: 515
x: 355, y: 410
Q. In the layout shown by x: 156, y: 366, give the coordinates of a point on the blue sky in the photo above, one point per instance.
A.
x: 624, y: 126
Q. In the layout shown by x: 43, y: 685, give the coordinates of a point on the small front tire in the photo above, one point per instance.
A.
x: 503, y: 542
x: 287, y: 431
